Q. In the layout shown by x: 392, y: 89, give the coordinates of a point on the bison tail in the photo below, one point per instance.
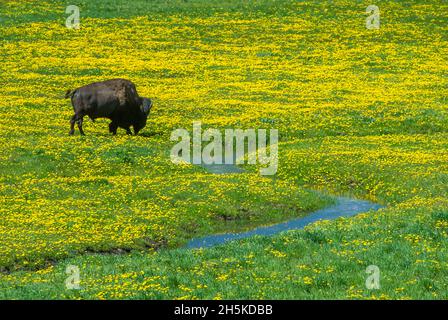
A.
x: 69, y: 93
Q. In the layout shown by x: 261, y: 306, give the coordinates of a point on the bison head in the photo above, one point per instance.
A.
x: 145, y: 108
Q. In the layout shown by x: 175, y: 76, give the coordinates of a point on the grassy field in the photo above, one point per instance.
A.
x: 360, y: 112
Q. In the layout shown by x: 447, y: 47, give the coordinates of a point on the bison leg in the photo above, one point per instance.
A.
x: 113, y: 128
x: 136, y: 129
x: 79, y: 120
x: 128, y: 131
x: 72, y: 125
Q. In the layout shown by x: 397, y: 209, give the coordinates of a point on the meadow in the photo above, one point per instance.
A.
x: 360, y: 112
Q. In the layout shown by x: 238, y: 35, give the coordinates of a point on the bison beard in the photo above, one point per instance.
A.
x: 115, y: 99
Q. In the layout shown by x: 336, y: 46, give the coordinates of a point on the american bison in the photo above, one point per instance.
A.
x: 115, y: 99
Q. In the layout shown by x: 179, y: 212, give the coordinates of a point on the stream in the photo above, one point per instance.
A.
x: 345, y: 207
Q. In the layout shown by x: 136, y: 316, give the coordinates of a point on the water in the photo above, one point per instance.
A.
x: 345, y: 207
x: 222, y: 168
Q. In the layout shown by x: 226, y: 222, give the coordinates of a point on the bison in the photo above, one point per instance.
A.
x: 115, y: 99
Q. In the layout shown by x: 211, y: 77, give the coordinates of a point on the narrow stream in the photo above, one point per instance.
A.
x: 344, y: 207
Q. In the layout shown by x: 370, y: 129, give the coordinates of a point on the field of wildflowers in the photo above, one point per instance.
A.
x: 360, y: 112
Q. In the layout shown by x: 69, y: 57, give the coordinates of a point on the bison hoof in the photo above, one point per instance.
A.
x: 71, y: 132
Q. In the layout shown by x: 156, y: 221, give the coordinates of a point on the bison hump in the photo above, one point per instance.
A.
x: 126, y: 93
